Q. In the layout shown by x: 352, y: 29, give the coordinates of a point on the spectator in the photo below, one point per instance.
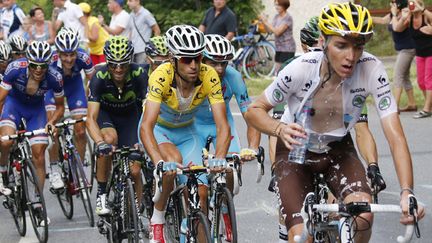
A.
x: 415, y: 19
x: 11, y: 19
x: 26, y: 28
x: 119, y: 19
x: 140, y: 35
x: 405, y: 47
x: 71, y: 16
x: 219, y: 19
x: 282, y: 28
x: 41, y: 29
x: 97, y: 35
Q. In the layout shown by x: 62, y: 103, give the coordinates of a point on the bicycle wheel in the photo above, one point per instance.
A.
x: 199, y: 224
x: 64, y: 196
x: 35, y: 201
x: 259, y: 61
x: 147, y: 204
x: 93, y: 160
x: 16, y: 203
x: 226, y: 224
x: 132, y: 228
x: 83, y: 187
x: 173, y: 217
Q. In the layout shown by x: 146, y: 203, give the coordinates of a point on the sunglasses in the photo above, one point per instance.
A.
x: 35, y: 65
x: 158, y: 62
x: 188, y: 60
x: 215, y: 63
x: 122, y: 65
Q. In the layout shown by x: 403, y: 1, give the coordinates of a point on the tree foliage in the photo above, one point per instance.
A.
x: 168, y: 12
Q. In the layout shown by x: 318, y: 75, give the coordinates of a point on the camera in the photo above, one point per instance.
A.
x: 401, y: 4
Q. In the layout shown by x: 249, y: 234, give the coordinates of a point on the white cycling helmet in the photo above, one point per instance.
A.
x: 17, y: 43
x: 67, y: 40
x: 39, y: 52
x: 185, y: 40
x: 5, y: 51
x: 218, y: 48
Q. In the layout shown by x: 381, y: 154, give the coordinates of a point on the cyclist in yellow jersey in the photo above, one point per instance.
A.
x: 175, y: 91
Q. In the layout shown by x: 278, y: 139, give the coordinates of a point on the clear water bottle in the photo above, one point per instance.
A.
x: 297, y: 154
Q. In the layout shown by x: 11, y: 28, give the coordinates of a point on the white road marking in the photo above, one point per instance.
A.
x: 426, y: 186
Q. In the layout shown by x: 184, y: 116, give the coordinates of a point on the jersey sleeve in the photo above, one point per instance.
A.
x: 11, y: 73
x: 86, y: 61
x: 379, y: 88
x: 240, y: 91
x: 212, y: 86
x: 55, y: 82
x: 159, y: 83
x: 96, y: 85
x: 285, y: 84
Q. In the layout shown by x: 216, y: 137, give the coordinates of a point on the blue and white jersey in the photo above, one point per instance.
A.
x: 232, y: 84
x: 83, y: 62
x: 16, y: 78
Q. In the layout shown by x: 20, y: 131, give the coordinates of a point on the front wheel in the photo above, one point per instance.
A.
x: 198, y: 227
x: 64, y: 196
x: 226, y: 223
x: 132, y: 228
x: 35, y: 202
x: 83, y: 188
x: 16, y: 201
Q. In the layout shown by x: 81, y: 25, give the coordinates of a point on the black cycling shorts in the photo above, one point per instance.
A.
x: 126, y: 126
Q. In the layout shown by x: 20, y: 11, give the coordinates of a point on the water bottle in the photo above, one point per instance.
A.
x: 183, y: 230
x: 297, y: 154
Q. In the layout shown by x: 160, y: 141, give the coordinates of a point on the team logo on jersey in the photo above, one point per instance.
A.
x: 358, y: 101
x: 366, y: 59
x: 384, y: 103
x: 278, y: 96
x: 307, y: 86
x: 357, y: 90
x: 382, y: 80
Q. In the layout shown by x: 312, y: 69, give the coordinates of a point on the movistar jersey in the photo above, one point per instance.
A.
x: 299, y: 79
x: 232, y: 84
x: 16, y: 78
x: 113, y: 99
x: 163, y: 89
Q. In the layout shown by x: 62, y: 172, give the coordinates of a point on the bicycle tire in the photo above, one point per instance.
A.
x: 112, y: 231
x: 147, y: 204
x: 131, y: 213
x: 83, y: 188
x: 64, y: 196
x: 31, y: 179
x: 225, y: 196
x: 93, y: 161
x: 173, y: 217
x: 258, y: 62
x: 199, y: 218
x: 16, y: 204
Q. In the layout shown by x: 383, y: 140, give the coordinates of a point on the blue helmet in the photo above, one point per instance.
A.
x: 39, y: 52
x: 67, y: 40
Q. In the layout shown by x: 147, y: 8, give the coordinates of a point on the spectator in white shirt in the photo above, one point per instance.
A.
x: 71, y: 16
x: 12, y: 18
x: 119, y: 19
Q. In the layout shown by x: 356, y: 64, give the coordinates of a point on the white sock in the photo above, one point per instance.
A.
x: 3, y: 168
x: 283, y: 234
x: 158, y: 217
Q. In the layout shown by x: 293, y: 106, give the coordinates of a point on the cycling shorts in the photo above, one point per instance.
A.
x: 75, y: 96
x: 125, y: 125
x: 209, y: 130
x: 33, y: 114
x: 187, y: 142
x: 341, y: 167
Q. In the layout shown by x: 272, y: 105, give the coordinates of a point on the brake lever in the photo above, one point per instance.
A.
x: 413, y: 207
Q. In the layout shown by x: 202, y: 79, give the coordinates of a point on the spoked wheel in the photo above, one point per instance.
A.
x: 199, y: 227
x: 64, y: 195
x: 259, y: 61
x: 226, y: 223
x: 132, y: 228
x: 173, y: 217
x: 83, y: 188
x: 90, y: 161
x: 147, y: 204
x: 112, y: 231
x: 16, y: 203
x: 35, y: 202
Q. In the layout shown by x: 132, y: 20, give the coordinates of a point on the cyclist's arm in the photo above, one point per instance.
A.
x: 253, y: 137
x: 149, y: 118
x: 223, y: 133
x: 91, y: 122
x: 59, y: 112
x: 3, y: 95
x: 366, y: 142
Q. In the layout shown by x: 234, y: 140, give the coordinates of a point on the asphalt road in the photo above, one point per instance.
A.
x: 257, y: 208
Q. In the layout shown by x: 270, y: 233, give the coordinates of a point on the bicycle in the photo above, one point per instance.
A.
x: 123, y: 221
x: 324, y: 227
x: 27, y: 195
x: 148, y: 193
x: 255, y: 57
x: 73, y: 175
x: 177, y: 209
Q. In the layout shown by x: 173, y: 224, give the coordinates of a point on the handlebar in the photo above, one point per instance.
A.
x: 21, y: 134
x: 356, y: 208
x: 69, y: 122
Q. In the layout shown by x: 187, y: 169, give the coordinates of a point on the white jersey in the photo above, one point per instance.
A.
x: 300, y: 79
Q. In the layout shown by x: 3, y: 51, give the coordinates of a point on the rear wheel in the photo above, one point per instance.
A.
x: 35, y: 202
x: 83, y: 188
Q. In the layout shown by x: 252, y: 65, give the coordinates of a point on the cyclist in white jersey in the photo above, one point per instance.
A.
x: 335, y: 84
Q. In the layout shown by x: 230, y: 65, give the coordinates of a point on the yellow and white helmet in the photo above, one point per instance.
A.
x: 346, y: 19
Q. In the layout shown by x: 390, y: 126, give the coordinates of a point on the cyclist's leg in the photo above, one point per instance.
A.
x: 10, y: 118
x: 348, y: 167
x: 77, y: 103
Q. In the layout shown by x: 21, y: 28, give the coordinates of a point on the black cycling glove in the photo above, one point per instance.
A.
x: 103, y: 149
x: 375, y: 176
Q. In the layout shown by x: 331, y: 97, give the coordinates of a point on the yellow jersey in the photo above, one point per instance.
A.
x: 163, y: 89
